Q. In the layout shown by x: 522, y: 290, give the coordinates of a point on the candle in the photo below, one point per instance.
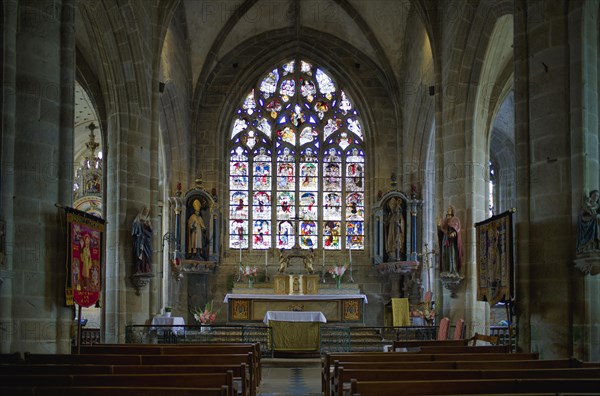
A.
x: 323, y: 261
x: 265, y: 258
x: 240, y: 252
x: 350, y: 252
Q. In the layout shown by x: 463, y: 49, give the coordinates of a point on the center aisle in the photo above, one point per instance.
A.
x: 290, y: 377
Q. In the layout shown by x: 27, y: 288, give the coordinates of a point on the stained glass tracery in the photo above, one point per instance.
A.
x: 297, y: 165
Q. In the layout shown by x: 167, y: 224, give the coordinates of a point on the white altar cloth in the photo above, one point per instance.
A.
x: 299, y: 297
x: 176, y: 323
x: 295, y: 316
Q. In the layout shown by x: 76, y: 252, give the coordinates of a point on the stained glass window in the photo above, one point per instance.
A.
x: 297, y: 164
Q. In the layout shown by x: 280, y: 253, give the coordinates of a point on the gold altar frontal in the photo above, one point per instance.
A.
x: 295, y: 293
x: 297, y: 332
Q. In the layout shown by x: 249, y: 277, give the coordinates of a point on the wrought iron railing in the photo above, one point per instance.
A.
x: 139, y: 334
x: 333, y: 338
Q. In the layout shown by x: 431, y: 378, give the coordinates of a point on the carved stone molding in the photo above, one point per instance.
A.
x: 451, y: 281
x: 140, y: 281
x: 588, y: 263
x: 397, y: 267
x: 180, y: 267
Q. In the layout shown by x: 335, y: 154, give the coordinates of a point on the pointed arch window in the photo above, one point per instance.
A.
x: 297, y: 164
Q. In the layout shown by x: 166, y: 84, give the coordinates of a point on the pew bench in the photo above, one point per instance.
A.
x: 137, y: 360
x: 343, y: 376
x: 175, y: 381
x: 111, y: 391
x: 240, y: 378
x: 478, y: 386
x: 189, y: 349
x: 328, y: 361
x: 419, y: 343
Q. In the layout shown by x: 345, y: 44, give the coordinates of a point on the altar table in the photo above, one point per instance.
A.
x: 295, y: 331
x: 176, y: 324
x: 346, y: 308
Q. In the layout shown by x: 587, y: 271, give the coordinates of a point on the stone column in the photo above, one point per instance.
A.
x: 544, y: 227
x: 42, y: 173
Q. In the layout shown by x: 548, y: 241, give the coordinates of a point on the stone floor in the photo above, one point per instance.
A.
x: 290, y: 377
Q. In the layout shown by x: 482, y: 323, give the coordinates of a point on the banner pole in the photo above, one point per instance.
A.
x: 78, y: 329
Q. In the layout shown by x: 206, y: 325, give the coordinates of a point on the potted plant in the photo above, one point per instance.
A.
x: 167, y: 313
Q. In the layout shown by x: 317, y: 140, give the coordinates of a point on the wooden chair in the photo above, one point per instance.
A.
x: 443, y: 329
x: 458, y: 329
x: 492, y: 340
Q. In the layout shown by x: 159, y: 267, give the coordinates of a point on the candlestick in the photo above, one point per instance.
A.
x: 323, y: 264
x: 350, y: 251
x: 350, y: 254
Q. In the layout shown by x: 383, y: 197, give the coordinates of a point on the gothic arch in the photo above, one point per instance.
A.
x: 211, y: 112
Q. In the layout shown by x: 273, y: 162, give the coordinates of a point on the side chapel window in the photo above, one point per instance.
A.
x: 297, y: 164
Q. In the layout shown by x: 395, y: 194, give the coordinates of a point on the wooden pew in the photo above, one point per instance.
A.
x: 11, y: 358
x: 190, y: 349
x: 328, y: 360
x: 479, y: 387
x: 343, y: 376
x: 463, y: 349
x: 112, y: 391
x: 195, y: 380
x: 239, y: 371
x: 419, y: 343
x: 120, y: 359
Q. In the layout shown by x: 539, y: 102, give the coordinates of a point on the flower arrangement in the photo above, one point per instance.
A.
x: 206, y: 315
x: 248, y: 271
x: 425, y: 311
x: 338, y: 271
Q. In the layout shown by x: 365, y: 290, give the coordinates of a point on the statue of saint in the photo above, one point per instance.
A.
x: 142, y: 242
x: 283, y: 262
x: 308, y: 261
x: 196, y: 232
x: 394, y: 242
x: 588, y: 227
x: 450, y: 242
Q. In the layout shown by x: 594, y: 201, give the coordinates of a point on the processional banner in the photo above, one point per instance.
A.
x: 84, y: 258
x: 494, y: 238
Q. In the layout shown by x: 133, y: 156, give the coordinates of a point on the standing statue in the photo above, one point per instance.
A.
x: 196, y: 232
x: 308, y: 261
x: 450, y: 242
x: 142, y: 242
x: 588, y: 227
x: 394, y: 242
x: 283, y: 262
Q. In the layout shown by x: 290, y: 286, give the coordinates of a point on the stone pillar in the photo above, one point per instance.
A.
x: 42, y: 152
x: 544, y: 225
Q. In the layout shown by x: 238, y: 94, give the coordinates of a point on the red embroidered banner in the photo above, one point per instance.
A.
x: 84, y: 258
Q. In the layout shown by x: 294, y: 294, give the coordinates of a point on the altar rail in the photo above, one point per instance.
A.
x: 334, y: 338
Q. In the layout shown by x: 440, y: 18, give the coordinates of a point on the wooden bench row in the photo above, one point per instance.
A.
x: 477, y: 386
x: 216, y: 381
x: 453, y: 369
x: 110, y: 391
x: 206, y: 366
x: 328, y: 361
x: 344, y: 377
x: 239, y: 372
x: 180, y: 349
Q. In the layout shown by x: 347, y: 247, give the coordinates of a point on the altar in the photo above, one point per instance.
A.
x: 295, y: 331
x: 252, y: 305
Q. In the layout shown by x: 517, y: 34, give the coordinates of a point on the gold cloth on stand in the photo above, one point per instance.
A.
x: 295, y: 336
x: 400, y: 312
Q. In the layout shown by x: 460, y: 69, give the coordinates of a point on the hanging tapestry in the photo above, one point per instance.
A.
x: 494, y: 238
x: 84, y: 258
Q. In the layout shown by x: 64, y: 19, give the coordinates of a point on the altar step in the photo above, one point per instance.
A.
x: 352, y: 339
